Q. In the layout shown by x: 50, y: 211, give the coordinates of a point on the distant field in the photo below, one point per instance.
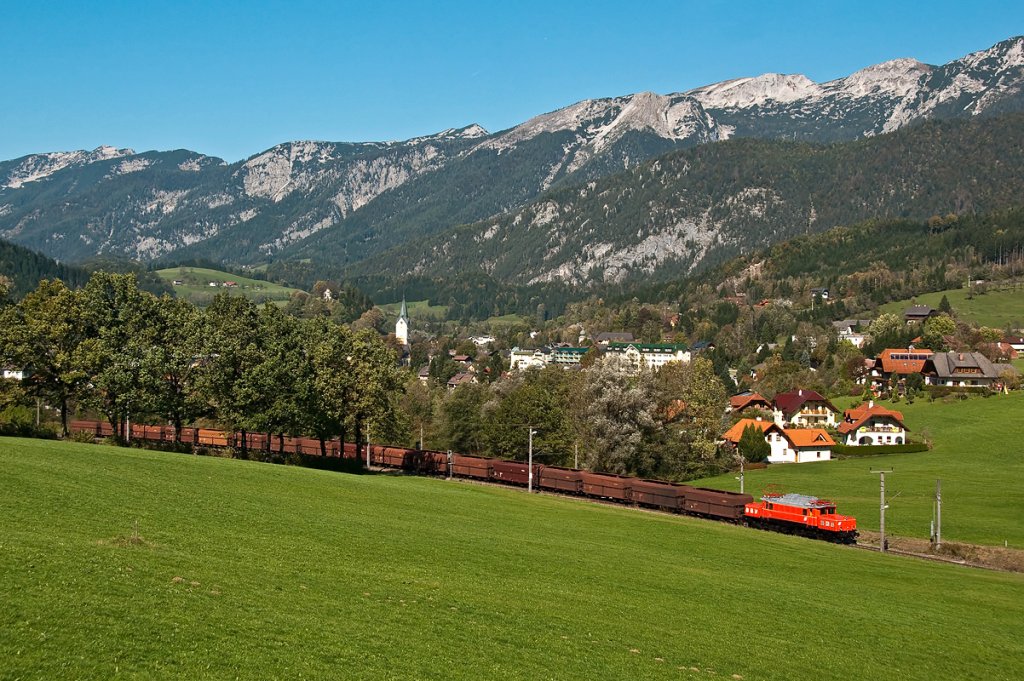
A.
x: 196, y: 286
x: 145, y: 564
x: 995, y: 308
x: 418, y: 309
x: 977, y: 455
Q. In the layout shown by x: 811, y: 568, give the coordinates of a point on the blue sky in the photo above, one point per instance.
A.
x: 233, y: 78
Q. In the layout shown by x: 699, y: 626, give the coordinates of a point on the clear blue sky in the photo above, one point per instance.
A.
x: 233, y: 78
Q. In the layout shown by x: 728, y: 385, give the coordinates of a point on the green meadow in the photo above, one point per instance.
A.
x: 196, y: 287
x: 995, y: 308
x: 120, y: 562
x: 977, y: 454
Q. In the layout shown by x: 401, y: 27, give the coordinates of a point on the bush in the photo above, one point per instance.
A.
x: 877, y: 450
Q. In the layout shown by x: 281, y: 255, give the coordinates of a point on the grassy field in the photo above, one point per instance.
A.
x: 994, y: 308
x: 153, y: 565
x: 418, y: 309
x: 197, y: 290
x: 977, y: 454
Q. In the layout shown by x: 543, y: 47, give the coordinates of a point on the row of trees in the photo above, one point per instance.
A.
x: 119, y: 351
x: 662, y: 424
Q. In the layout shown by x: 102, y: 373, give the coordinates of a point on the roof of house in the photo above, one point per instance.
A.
x: 647, y: 347
x: 858, y: 416
x: 790, y: 403
x: 808, y: 437
x: 741, y: 402
x: 462, y: 358
x: 734, y: 434
x: 904, y: 361
x: 919, y: 311
x: 1014, y: 340
x: 460, y: 378
x: 957, y: 364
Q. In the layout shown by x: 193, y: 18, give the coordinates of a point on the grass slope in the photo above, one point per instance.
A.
x: 197, y: 290
x: 256, y: 571
x: 418, y: 309
x: 977, y: 455
x: 997, y: 308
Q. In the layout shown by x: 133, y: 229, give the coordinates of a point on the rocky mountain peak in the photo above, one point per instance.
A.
x: 743, y: 93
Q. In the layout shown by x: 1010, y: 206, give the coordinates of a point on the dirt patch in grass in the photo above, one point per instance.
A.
x: 974, y: 555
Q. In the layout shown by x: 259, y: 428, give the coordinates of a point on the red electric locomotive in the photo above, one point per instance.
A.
x: 804, y: 515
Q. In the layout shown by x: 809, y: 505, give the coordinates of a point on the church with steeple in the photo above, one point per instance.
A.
x: 402, y: 325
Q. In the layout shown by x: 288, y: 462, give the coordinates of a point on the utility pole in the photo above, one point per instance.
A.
x: 576, y: 456
x: 881, y: 507
x: 741, y: 474
x: 529, y: 478
x: 367, y: 445
x: 938, y: 514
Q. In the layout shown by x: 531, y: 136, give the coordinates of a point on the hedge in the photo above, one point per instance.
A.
x: 875, y: 450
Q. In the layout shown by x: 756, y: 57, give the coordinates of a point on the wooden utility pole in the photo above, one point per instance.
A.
x: 529, y: 462
x: 938, y: 514
x: 881, y: 508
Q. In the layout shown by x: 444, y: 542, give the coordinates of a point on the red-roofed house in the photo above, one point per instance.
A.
x: 898, y: 362
x: 789, y: 445
x: 804, y: 408
x: 737, y: 403
x: 872, y: 424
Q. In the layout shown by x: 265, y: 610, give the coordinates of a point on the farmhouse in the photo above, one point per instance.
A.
x: 460, y: 378
x: 739, y: 403
x: 787, y: 445
x: 897, y: 363
x: 803, y: 408
x: 613, y: 337
x: 872, y: 425
x: 918, y: 314
x: 961, y: 369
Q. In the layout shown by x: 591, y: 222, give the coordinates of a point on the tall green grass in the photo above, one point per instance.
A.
x: 151, y: 565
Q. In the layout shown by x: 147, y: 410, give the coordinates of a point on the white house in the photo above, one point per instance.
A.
x: 872, y: 425
x: 787, y: 445
x: 524, y: 359
x: 650, y: 355
x: 13, y: 374
x: 804, y: 408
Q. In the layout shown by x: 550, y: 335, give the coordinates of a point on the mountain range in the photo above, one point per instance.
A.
x: 350, y: 203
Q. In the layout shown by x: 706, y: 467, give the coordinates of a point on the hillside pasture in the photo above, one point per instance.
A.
x: 977, y: 455
x: 196, y: 286
x: 997, y: 308
x: 149, y: 564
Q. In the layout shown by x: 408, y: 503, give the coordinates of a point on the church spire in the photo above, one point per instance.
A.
x: 402, y: 325
x: 404, y: 314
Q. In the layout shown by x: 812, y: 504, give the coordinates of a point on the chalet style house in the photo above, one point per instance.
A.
x: 872, y: 424
x: 787, y: 445
x: 919, y: 314
x: 895, y: 363
x: 963, y: 369
x: 740, y: 403
x: 804, y: 409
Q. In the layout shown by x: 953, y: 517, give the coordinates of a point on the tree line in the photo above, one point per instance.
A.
x: 111, y: 348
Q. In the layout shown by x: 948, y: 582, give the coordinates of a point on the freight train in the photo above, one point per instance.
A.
x: 789, y: 513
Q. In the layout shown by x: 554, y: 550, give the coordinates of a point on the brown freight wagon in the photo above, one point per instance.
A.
x: 606, y: 486
x: 561, y: 479
x: 471, y: 466
x: 211, y: 438
x: 512, y: 472
x: 655, y: 494
x: 393, y: 457
x: 427, y: 462
x: 714, y: 503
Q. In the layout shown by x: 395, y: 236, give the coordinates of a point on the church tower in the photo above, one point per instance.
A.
x: 402, y: 325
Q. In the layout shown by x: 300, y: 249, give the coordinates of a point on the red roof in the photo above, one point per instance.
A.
x: 741, y: 402
x: 808, y: 437
x: 734, y: 434
x: 790, y: 403
x: 858, y: 416
x: 904, y: 361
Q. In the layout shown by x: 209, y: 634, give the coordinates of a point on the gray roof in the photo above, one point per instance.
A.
x: 963, y: 364
x: 919, y: 311
x: 798, y: 500
x: 851, y: 323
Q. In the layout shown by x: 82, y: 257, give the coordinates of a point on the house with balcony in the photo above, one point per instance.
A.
x: 804, y: 409
x: 963, y: 370
x: 872, y: 424
x: 896, y: 363
x: 748, y: 400
x: 567, y: 356
x: 520, y: 360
